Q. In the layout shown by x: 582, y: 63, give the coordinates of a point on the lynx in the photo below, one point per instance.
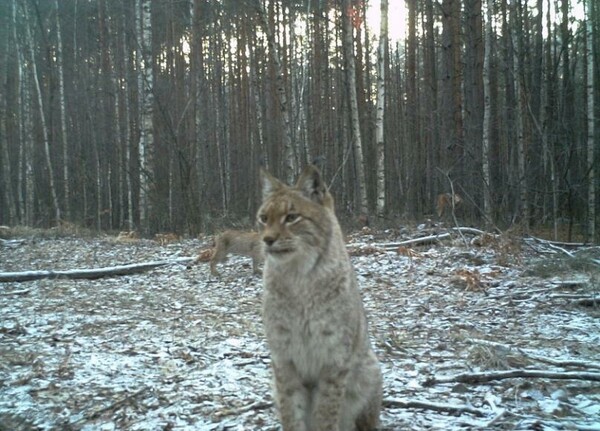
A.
x: 445, y: 201
x: 327, y: 377
x: 237, y: 242
x: 166, y: 238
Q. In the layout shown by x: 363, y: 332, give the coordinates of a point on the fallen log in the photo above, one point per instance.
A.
x: 430, y: 239
x: 415, y: 241
x: 531, y: 354
x: 485, y: 377
x: 456, y: 409
x: 90, y: 274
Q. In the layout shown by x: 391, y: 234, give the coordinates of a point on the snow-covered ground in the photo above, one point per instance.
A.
x: 174, y: 348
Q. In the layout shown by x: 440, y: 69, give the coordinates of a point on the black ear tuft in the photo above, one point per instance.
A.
x: 311, y: 184
x: 319, y: 162
x: 269, y: 183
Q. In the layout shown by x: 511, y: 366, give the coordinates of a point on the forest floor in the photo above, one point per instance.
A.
x: 500, y: 335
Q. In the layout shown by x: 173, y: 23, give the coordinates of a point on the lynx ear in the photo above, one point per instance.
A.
x: 269, y: 183
x: 312, y: 186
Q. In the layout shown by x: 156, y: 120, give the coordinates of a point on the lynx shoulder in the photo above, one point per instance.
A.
x: 240, y: 243
x: 327, y: 377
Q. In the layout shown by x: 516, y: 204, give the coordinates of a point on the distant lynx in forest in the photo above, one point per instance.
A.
x: 237, y: 242
x: 327, y: 377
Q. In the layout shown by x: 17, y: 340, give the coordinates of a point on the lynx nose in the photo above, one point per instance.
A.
x: 269, y: 239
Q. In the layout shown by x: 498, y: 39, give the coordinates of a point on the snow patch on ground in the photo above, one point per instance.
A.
x: 175, y: 348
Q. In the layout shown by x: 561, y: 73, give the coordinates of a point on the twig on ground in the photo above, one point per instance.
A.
x: 113, y: 406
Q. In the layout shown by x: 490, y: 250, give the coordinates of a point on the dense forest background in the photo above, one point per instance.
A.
x: 156, y: 115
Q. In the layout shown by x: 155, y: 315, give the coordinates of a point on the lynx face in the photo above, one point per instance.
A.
x: 294, y: 223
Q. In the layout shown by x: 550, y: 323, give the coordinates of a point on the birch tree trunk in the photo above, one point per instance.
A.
x: 45, y: 133
x: 379, y: 121
x: 146, y: 142
x: 591, y: 198
x: 63, y: 116
x: 348, y: 46
x: 487, y: 114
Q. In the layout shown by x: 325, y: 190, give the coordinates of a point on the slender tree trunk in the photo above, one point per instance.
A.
x: 146, y: 143
x: 379, y: 121
x: 127, y: 147
x: 99, y: 188
x: 26, y: 190
x: 200, y: 121
x: 591, y: 172
x: 63, y: 116
x: 289, y: 152
x: 348, y: 45
x: 549, y: 120
x: 474, y: 42
x: 45, y: 132
x: 520, y: 112
x: 431, y: 107
x: 9, y: 197
x: 487, y: 114
x: 412, y: 148
x: 451, y: 98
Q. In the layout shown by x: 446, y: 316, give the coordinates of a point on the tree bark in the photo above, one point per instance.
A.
x: 379, y: 121
x: 63, y: 116
x: 523, y: 203
x: 42, y: 115
x: 26, y: 180
x: 146, y: 142
x: 487, y: 114
x: 8, y: 191
x: 348, y: 46
x: 289, y: 151
x: 591, y: 172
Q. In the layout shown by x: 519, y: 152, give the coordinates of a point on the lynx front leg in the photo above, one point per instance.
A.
x: 329, y: 398
x: 292, y: 398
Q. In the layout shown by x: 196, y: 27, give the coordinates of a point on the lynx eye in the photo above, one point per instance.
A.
x: 290, y: 218
x: 263, y: 218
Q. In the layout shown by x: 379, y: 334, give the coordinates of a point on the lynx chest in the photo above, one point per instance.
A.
x: 310, y: 331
